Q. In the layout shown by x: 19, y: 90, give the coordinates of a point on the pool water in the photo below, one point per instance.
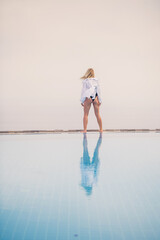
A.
x: 80, y: 186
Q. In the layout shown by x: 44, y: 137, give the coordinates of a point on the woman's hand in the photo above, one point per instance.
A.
x: 98, y: 103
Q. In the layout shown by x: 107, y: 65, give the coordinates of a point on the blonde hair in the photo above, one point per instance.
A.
x: 89, y: 74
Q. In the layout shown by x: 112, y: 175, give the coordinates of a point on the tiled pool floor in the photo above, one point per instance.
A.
x: 75, y: 186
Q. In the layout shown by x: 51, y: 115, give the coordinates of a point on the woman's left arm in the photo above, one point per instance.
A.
x: 99, y: 93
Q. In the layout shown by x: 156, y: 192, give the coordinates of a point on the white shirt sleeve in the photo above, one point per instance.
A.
x: 82, y: 92
x: 99, y: 92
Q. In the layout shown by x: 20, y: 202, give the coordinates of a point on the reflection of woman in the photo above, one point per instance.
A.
x: 90, y: 94
x: 89, y: 169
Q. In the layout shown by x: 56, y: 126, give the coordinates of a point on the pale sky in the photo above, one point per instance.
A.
x: 46, y: 46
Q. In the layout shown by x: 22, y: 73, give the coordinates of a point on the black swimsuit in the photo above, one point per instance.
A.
x: 93, y: 97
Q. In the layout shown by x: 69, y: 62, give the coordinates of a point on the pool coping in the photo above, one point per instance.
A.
x: 77, y: 131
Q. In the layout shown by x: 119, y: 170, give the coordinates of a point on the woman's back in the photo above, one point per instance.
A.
x: 90, y: 88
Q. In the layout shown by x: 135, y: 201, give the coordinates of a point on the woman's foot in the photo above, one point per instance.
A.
x: 84, y: 131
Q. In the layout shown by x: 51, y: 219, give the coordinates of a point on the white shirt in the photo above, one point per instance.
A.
x: 90, y: 88
x: 89, y: 175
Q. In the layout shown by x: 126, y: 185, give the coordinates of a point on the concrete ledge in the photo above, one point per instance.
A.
x: 76, y: 131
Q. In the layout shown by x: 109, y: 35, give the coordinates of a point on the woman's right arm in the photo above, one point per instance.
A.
x: 82, y: 93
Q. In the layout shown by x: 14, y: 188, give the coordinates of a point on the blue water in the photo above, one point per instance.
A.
x: 75, y: 186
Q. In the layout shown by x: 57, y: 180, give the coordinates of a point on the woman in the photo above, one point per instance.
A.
x: 90, y: 94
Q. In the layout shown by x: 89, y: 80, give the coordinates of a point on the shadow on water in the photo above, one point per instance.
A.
x: 89, y: 167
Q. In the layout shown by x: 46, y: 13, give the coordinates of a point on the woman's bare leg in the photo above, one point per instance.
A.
x: 96, y: 111
x: 87, y: 105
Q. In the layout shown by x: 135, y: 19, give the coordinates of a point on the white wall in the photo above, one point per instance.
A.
x: 46, y: 46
